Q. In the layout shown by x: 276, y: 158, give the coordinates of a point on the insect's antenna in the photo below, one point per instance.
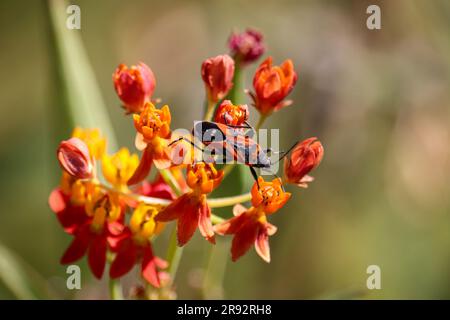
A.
x: 175, y: 141
x: 285, y: 153
x: 187, y: 140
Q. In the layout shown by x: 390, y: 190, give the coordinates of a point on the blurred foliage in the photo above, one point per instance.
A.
x: 378, y: 100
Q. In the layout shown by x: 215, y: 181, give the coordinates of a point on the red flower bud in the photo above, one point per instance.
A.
x: 247, y: 46
x: 217, y: 74
x: 134, y: 85
x: 305, y: 157
x: 73, y: 156
x: 272, y: 84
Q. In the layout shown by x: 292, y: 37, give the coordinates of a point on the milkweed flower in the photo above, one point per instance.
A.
x: 191, y: 209
x: 217, y: 74
x: 118, y: 168
x: 272, y: 84
x: 230, y: 114
x: 73, y: 156
x: 250, y: 226
x: 103, y: 225
x: 134, y: 86
x: 134, y: 245
x: 305, y: 157
x: 153, y: 132
x: 247, y: 46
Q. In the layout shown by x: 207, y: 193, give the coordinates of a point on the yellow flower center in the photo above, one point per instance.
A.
x: 118, y: 168
x: 143, y: 224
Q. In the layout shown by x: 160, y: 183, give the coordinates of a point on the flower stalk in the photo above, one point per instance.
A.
x: 115, y: 289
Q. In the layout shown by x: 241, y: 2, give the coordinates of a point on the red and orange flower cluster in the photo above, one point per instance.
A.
x: 115, y: 216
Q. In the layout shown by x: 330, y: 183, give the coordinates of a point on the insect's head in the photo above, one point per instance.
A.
x: 207, y: 131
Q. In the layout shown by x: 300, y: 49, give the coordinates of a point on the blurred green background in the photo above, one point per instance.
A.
x: 378, y: 101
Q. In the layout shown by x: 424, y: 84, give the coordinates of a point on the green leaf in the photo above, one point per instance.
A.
x: 80, y: 92
x: 22, y: 280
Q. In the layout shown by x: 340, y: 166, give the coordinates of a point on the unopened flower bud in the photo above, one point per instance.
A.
x: 217, y: 74
x: 134, y: 85
x: 73, y: 155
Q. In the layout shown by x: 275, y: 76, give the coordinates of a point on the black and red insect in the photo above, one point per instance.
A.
x: 229, y: 142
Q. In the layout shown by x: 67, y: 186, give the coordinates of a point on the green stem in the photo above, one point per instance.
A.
x: 261, y: 120
x: 216, y: 265
x: 235, y: 94
x: 174, y: 253
x: 213, y: 203
x: 171, y: 181
x: 210, y: 111
x: 216, y: 219
x: 229, y: 201
x: 115, y: 289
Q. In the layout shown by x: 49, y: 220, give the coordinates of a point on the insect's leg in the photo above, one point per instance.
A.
x: 255, y: 176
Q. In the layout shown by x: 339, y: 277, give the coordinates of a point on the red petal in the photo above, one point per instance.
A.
x: 143, y: 169
x: 244, y: 239
x: 149, y: 271
x: 230, y: 226
x: 262, y: 244
x: 157, y: 189
x: 117, y: 232
x: 69, y: 216
x: 78, y: 247
x: 175, y: 209
x: 161, y: 263
x: 57, y: 201
x: 125, y: 259
x: 97, y: 255
x: 187, y: 223
x: 204, y: 223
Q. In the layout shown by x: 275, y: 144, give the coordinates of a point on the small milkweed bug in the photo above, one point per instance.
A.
x: 234, y: 142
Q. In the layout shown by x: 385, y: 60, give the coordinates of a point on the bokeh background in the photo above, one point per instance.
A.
x: 378, y: 100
